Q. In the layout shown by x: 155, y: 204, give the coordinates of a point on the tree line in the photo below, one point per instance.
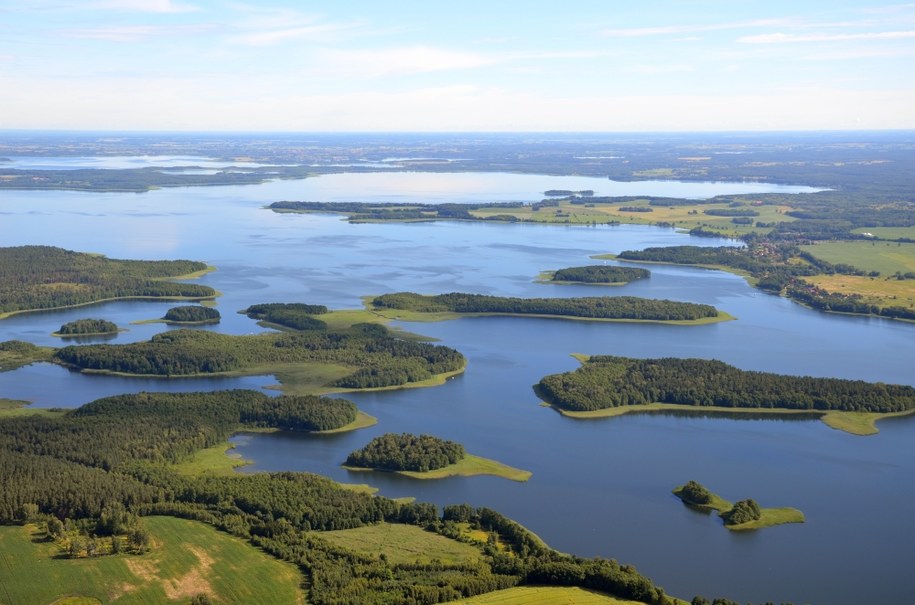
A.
x: 42, y: 277
x: 606, y: 381
x: 592, y: 307
x: 406, y: 452
x: 597, y: 274
x: 297, y: 316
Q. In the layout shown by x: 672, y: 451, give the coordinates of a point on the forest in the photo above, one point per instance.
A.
x: 87, y: 326
x: 406, y: 452
x: 379, y: 358
x: 606, y: 381
x: 192, y: 314
x: 600, y: 274
x: 44, y: 277
x: 93, y: 466
x: 591, y: 307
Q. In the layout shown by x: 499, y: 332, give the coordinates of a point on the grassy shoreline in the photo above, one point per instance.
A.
x: 419, y: 316
x: 6, y: 314
x: 469, y: 466
x: 854, y: 423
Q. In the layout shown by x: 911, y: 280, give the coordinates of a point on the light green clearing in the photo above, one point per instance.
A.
x: 542, y: 595
x: 362, y: 421
x: 186, y: 276
x: 402, y: 544
x: 768, y: 516
x: 856, y: 423
x: 888, y: 232
x: 10, y: 360
x: 469, y: 466
x: 16, y: 407
x: 885, y: 257
x: 546, y: 277
x: 188, y: 558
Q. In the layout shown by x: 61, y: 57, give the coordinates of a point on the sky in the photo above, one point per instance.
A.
x: 433, y: 66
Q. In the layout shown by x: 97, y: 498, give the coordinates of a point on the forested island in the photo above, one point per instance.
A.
x: 620, y: 308
x: 44, y: 277
x: 597, y: 274
x: 87, y: 327
x: 406, y: 452
x: 743, y: 515
x: 191, y: 314
x: 606, y: 383
x: 365, y: 356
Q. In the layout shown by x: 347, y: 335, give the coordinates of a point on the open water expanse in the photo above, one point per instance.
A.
x: 599, y: 487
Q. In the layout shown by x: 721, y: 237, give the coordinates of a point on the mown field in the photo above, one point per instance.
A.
x: 402, y: 544
x: 187, y: 559
x: 543, y: 595
x: 885, y: 257
x: 878, y: 291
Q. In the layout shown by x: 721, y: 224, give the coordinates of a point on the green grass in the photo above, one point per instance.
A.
x: 403, y: 544
x: 187, y: 558
x: 362, y: 421
x: 546, y: 277
x: 888, y: 232
x: 771, y: 517
x: 14, y: 407
x: 885, y: 257
x: 10, y: 360
x: 469, y: 466
x: 859, y: 423
x: 216, y: 460
x: 543, y: 595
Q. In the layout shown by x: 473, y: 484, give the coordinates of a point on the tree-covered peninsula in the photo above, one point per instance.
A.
x: 191, y: 314
x: 297, y: 316
x: 598, y: 274
x: 368, y: 355
x: 44, y: 277
x: 620, y: 308
x: 87, y: 327
x: 745, y: 514
x: 610, y: 383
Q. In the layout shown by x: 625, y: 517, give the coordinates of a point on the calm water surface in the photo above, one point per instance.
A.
x: 599, y: 487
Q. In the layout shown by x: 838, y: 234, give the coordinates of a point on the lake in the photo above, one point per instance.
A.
x: 598, y: 487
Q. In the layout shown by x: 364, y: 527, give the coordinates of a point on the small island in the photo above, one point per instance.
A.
x: 745, y: 514
x: 425, y: 457
x: 411, y: 306
x: 191, y: 314
x: 87, y: 327
x: 601, y: 275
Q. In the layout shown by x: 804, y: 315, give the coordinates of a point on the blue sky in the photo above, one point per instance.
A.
x: 402, y: 65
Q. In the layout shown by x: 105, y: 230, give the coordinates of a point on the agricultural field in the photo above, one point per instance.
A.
x: 402, y: 544
x: 878, y: 291
x: 885, y: 257
x: 538, y: 595
x: 187, y: 559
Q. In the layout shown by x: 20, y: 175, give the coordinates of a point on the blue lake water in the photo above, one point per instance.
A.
x: 599, y: 487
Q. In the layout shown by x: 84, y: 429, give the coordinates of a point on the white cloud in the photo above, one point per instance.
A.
x: 400, y: 61
x: 145, y: 6
x: 134, y: 33
x: 277, y: 35
x: 782, y: 38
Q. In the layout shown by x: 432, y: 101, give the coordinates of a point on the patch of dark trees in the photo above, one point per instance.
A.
x: 598, y: 274
x: 593, y: 307
x: 192, y: 314
x: 43, y: 277
x: 87, y: 326
x: 406, y: 452
x: 393, y: 211
x: 606, y: 381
